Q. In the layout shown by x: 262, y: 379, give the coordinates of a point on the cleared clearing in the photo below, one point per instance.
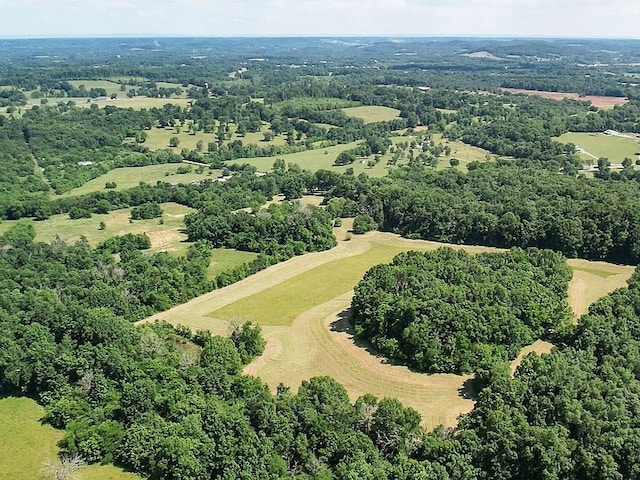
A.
x: 371, y: 114
x: 26, y: 444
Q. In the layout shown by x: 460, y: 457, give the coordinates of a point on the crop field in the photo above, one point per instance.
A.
x: 26, y: 444
x: 615, y: 148
x: 302, y: 305
x: 129, y: 177
x: 596, y: 101
x: 370, y: 114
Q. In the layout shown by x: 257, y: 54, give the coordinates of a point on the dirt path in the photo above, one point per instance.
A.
x: 320, y: 342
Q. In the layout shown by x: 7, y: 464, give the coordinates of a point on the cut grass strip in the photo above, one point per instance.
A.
x: 282, y: 303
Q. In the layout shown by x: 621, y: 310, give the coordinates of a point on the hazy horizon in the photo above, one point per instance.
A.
x: 316, y: 18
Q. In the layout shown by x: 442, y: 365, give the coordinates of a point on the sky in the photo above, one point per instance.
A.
x: 212, y: 18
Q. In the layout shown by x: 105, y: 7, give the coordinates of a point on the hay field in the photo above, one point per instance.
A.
x: 303, y: 304
x: 318, y: 341
x: 26, y: 444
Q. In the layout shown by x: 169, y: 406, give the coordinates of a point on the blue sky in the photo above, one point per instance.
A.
x: 558, y: 18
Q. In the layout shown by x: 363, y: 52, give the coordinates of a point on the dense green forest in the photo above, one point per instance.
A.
x: 448, y: 311
x: 170, y: 403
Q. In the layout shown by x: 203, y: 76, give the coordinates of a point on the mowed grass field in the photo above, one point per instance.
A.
x: 129, y: 177
x: 612, y: 147
x: 303, y: 304
x: 26, y: 444
x: 371, y: 114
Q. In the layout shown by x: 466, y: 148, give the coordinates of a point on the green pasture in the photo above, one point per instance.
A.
x: 600, y: 145
x: 462, y: 151
x: 26, y: 444
x: 158, y: 138
x: 319, y: 158
x: 371, y: 114
x: 128, y: 177
x: 282, y: 303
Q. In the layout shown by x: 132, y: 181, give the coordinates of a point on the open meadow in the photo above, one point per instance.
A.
x: 128, y: 177
x: 26, y: 445
x: 372, y: 113
x: 302, y: 305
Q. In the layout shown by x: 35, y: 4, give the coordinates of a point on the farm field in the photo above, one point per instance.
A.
x: 307, y: 333
x: 371, y: 114
x: 26, y: 444
x: 596, y: 101
x: 613, y: 147
x: 128, y: 177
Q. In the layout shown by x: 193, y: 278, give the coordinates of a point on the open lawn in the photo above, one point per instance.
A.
x: 615, y: 148
x: 26, y: 444
x: 370, y: 114
x: 129, y: 177
x: 304, y: 308
x: 165, y: 237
